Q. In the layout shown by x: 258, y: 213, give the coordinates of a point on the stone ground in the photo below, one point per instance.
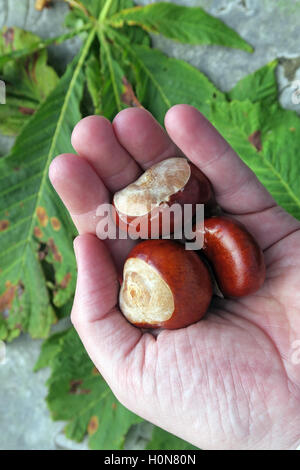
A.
x: 273, y: 28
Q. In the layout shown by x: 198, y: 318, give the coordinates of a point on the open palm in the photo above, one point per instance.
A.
x: 233, y: 379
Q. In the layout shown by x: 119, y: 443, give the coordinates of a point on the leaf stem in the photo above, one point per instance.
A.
x: 105, y: 46
x: 104, y: 11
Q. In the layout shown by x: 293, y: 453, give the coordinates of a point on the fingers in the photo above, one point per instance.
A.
x: 236, y: 187
x: 118, y: 152
x: 94, y: 139
x: 79, y: 183
x: 105, y: 333
x: 82, y: 192
x: 80, y: 189
x: 143, y: 137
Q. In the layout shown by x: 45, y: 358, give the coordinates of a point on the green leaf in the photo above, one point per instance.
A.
x: 112, y: 76
x: 264, y: 137
x: 137, y: 35
x: 263, y: 134
x: 50, y: 348
x: 64, y: 310
x: 164, y: 82
x: 3, y: 329
x: 130, y: 36
x: 118, y: 5
x: 34, y: 225
x: 94, y: 7
x: 258, y: 86
x: 78, y: 394
x: 93, y: 80
x: 37, y: 44
x: 28, y: 80
x: 162, y: 440
x: 183, y: 24
x: 14, y: 39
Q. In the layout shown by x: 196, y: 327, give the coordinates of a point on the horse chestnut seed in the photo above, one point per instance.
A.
x: 164, y: 285
x: 236, y: 258
x: 143, y: 203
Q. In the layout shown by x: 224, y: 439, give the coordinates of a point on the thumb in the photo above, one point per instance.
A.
x: 105, y: 333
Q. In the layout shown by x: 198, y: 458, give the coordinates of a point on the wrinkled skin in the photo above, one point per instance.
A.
x: 231, y: 381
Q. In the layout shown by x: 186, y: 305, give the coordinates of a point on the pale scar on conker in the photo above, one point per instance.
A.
x: 164, y: 285
x: 171, y: 181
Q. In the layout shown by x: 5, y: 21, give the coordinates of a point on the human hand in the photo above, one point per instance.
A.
x: 230, y: 381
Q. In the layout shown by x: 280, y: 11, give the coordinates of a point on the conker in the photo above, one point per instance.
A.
x: 164, y: 285
x: 174, y: 180
x: 236, y: 257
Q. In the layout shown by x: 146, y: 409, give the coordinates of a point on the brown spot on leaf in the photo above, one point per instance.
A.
x: 74, y: 385
x: 67, y: 278
x: 293, y: 129
x: 255, y: 140
x: 93, y: 425
x: 4, y: 224
x: 75, y: 388
x: 114, y: 406
x: 6, y: 299
x: 128, y: 97
x: 37, y: 232
x: 42, y: 216
x: 95, y: 371
x: 53, y: 248
x: 9, y: 36
x: 26, y: 111
x: 55, y: 223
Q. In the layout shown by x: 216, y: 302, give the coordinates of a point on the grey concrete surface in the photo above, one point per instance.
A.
x: 24, y: 417
x: 25, y: 422
x: 273, y: 28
